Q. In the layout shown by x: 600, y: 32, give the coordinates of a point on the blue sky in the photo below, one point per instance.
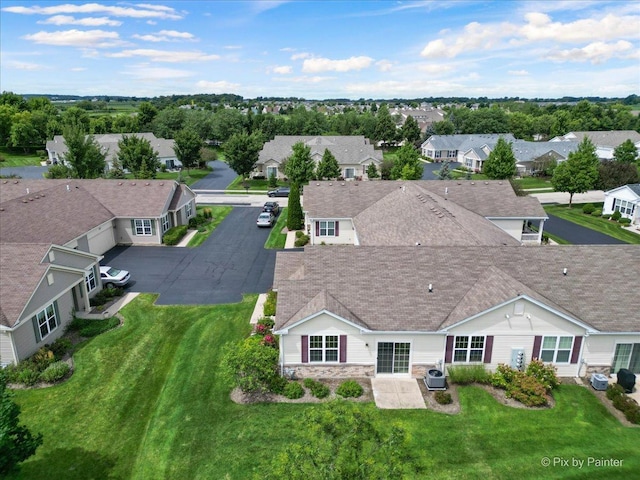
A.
x: 322, y: 49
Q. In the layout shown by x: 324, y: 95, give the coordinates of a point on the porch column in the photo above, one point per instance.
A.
x: 540, y: 230
x: 85, y: 296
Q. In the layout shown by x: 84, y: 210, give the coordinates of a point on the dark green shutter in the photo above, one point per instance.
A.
x: 133, y: 227
x: 36, y: 328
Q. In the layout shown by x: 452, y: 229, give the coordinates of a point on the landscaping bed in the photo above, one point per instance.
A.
x: 608, y: 404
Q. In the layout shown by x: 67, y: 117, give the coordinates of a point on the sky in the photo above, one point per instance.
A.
x: 322, y: 49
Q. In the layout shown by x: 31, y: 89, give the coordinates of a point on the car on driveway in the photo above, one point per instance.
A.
x: 279, y: 192
x: 273, y: 207
x: 265, y: 219
x: 114, y: 277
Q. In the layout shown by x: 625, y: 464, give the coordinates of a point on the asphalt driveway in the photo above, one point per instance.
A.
x: 218, y: 179
x: 577, y: 234
x: 231, y: 262
x: 429, y: 168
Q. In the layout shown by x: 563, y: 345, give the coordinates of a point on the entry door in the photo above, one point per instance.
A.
x: 393, y: 357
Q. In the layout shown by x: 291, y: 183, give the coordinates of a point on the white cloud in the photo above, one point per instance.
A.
x: 596, y: 52
x: 232, y: 47
x: 164, y: 55
x: 24, y: 66
x: 78, y: 69
x: 287, y: 49
x: 283, y: 70
x: 77, y: 38
x: 146, y: 10
x: 85, y: 22
x: 151, y: 22
x: 384, y: 65
x: 300, y: 56
x: 539, y: 26
x: 217, y: 87
x: 518, y: 73
x: 165, y: 36
x: 316, y: 65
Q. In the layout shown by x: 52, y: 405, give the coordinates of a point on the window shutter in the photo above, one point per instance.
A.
x: 577, y: 343
x: 337, y: 228
x: 133, y: 227
x: 488, y: 347
x: 343, y: 348
x: 153, y: 226
x: 305, y: 349
x: 613, y: 205
x: 537, y: 343
x: 36, y: 329
x: 448, y: 353
x: 317, y: 229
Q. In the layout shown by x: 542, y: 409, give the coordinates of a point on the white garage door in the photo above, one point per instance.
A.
x: 101, y: 239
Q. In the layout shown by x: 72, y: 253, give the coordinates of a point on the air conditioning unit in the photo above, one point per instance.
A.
x: 599, y: 381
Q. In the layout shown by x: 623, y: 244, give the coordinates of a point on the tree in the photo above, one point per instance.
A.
x: 385, y: 126
x: 17, y: 443
x: 579, y: 172
x: 146, y: 114
x: 411, y: 130
x: 328, y: 167
x: 385, y: 168
x: 372, y: 171
x: 116, y: 170
x: 445, y: 171
x: 501, y: 163
x: 22, y: 130
x: 137, y: 155
x: 76, y: 116
x: 295, y: 216
x: 250, y: 365
x: 343, y: 440
x: 187, y: 145
x: 168, y: 122
x: 242, y: 152
x: 300, y: 166
x: 443, y: 127
x: 84, y: 154
x: 626, y: 152
x: 612, y: 174
x: 408, y: 165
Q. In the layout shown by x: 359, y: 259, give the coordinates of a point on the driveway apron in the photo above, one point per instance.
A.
x: 577, y: 234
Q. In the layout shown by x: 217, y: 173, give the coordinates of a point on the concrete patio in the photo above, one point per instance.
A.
x: 397, y: 393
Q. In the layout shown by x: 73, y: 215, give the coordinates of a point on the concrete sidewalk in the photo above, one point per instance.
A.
x: 594, y: 196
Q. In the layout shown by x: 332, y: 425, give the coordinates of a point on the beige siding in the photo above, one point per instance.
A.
x: 512, y: 227
x: 599, y: 349
x: 70, y: 259
x: 124, y: 233
x: 347, y: 234
x: 6, y: 352
x: 44, y: 293
x: 101, y: 238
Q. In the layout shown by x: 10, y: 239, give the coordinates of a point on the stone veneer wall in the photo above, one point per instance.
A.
x: 605, y: 369
x: 331, y: 371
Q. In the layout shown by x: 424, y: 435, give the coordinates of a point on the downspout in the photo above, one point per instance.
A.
x: 580, y: 360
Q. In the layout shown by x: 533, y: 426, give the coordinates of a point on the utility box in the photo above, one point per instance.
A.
x: 517, y: 358
x: 599, y: 381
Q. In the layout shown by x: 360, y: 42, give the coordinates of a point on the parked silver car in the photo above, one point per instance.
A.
x: 265, y: 219
x: 113, y: 277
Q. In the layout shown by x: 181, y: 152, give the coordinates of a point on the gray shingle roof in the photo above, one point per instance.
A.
x: 525, y: 151
x: 606, y: 138
x: 386, y: 287
x: 465, y: 142
x: 348, y: 150
x: 635, y: 187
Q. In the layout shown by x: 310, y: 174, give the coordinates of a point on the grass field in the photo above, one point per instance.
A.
x: 219, y: 213
x: 15, y: 157
x: 145, y: 402
x: 276, y: 238
x: 261, y: 185
x: 537, y: 183
x: 190, y: 177
x: 599, y: 224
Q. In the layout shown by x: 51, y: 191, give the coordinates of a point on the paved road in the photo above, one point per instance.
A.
x: 219, y: 179
x: 232, y: 261
x: 577, y: 234
x: 25, y: 172
x: 429, y: 168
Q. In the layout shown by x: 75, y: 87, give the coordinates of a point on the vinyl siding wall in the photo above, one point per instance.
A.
x: 599, y: 351
x: 512, y: 227
x: 346, y: 233
x: 124, y: 233
x: 6, y: 352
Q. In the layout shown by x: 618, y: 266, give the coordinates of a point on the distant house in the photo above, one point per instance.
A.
x: 108, y: 142
x: 353, y: 153
x: 425, y: 116
x: 400, y: 311
x: 469, y: 150
x: 626, y: 200
x: 431, y: 212
x: 52, y: 237
x: 605, y: 141
x: 533, y: 156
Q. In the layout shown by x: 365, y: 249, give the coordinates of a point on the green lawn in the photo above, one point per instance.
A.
x: 15, y: 157
x: 276, y: 238
x: 145, y: 402
x: 259, y: 186
x: 599, y: 224
x: 537, y: 183
x: 219, y: 213
x: 189, y: 176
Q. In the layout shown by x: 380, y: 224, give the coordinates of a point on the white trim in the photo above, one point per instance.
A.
x: 392, y: 374
x: 142, y: 227
x: 557, y: 348
x: 323, y: 349
x: 467, y: 349
x: 285, y: 331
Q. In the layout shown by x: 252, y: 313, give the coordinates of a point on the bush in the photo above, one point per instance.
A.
x: 503, y: 376
x: 624, y: 221
x: 302, y: 240
x: 267, y: 322
x: 318, y: 389
x: 270, y: 304
x: 624, y: 403
x: 105, y: 295
x: 293, y: 390
x: 527, y: 390
x: 250, y: 365
x: 545, y: 374
x: 443, y: 398
x: 42, y: 359
x: 28, y: 376
x: 614, y: 390
x: 207, y: 213
x: 54, y: 372
x: 90, y: 328
x: 465, y: 374
x: 606, y: 216
x: 596, y: 213
x: 174, y: 235
x: 299, y: 233
x: 349, y: 388
x: 616, y: 215
x: 195, y: 222
x: 278, y: 385
x: 588, y: 208
x: 60, y: 347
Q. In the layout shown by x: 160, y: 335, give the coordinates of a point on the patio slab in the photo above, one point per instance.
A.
x: 397, y: 393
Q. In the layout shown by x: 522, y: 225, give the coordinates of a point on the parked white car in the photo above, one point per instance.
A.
x: 113, y: 277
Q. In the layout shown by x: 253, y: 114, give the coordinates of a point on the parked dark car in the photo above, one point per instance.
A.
x: 273, y: 207
x: 279, y: 192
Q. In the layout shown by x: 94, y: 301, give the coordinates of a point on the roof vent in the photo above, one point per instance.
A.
x: 68, y: 189
x: 564, y: 271
x: 27, y: 191
x: 473, y: 183
x: 161, y: 184
x: 330, y: 184
x: 342, y: 184
x: 133, y: 183
x: 317, y: 184
x: 430, y: 288
x: 147, y: 184
x: 120, y: 183
x: 15, y: 182
x: 486, y: 183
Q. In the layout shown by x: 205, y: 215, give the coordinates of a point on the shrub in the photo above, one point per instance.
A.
x: 278, y: 385
x: 90, y: 328
x: 616, y: 215
x: 293, y: 390
x: 199, y: 219
x: 465, y: 374
x: 624, y: 403
x: 624, y: 221
x: 54, y: 372
x: 104, y: 295
x: 299, y: 233
x: 503, y: 376
x: 249, y: 365
x: 527, y: 390
x: 60, y: 347
x: 443, y: 398
x: 270, y: 304
x: 545, y: 374
x: 349, y: 388
x: 28, y: 376
x: 174, y: 235
x: 302, y: 240
x: 606, y: 216
x: 318, y: 389
x: 588, y: 208
x: 207, y: 213
x: 614, y: 390
x: 596, y: 213
x: 42, y: 359
x: 267, y: 322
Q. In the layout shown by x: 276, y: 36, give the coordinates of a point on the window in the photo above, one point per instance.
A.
x: 349, y: 172
x: 165, y: 223
x: 90, y: 280
x: 627, y: 355
x: 468, y: 349
x: 452, y: 153
x: 323, y: 348
x: 556, y: 349
x: 188, y: 210
x: 46, y: 320
x: 272, y: 171
x: 438, y: 154
x: 142, y: 226
x: 327, y: 228
x: 624, y: 207
x: 468, y: 162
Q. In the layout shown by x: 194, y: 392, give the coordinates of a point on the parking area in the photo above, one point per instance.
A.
x: 230, y: 263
